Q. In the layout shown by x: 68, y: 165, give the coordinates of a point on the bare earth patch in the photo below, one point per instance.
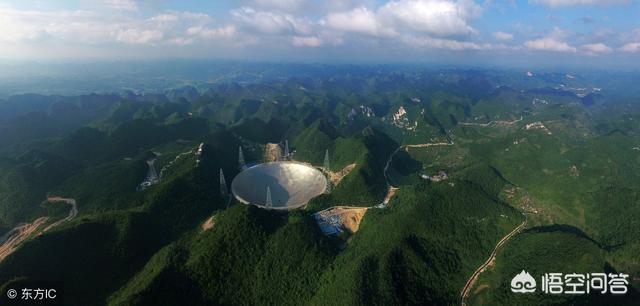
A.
x: 350, y: 217
x: 336, y: 177
x: 390, y: 193
x: 207, y: 225
x: 272, y: 152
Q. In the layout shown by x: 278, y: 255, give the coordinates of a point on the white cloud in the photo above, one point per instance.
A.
x: 628, y: 36
x: 433, y: 17
x: 91, y: 28
x: 503, y: 36
x: 279, y: 5
x: 595, y: 49
x: 554, y: 41
x: 210, y: 33
x: 559, y: 3
x: 440, y: 18
x: 344, y: 5
x: 631, y: 47
x: 270, y: 22
x: 443, y: 43
x: 396, y: 24
x: 136, y: 36
x: 311, y: 41
x: 549, y: 44
x: 359, y: 20
x: 122, y: 5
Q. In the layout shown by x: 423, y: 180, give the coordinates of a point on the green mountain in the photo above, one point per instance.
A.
x: 513, y: 148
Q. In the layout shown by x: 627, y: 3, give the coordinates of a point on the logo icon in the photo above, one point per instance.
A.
x: 523, y: 283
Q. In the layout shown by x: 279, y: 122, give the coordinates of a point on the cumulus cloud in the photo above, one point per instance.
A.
x: 85, y: 27
x: 443, y: 43
x: 272, y: 23
x: 359, y: 20
x: 549, y: 44
x: 631, y: 47
x: 434, y: 17
x: 559, y: 3
x: 428, y: 24
x: 311, y: 41
x: 123, y: 5
x: 344, y: 5
x: 440, y: 18
x: 420, y: 24
x: 210, y: 33
x: 503, y: 36
x: 279, y: 5
x: 554, y: 41
x: 630, y: 36
x: 138, y: 36
x: 434, y: 24
x: 595, y: 49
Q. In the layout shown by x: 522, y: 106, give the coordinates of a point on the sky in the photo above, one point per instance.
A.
x: 500, y: 32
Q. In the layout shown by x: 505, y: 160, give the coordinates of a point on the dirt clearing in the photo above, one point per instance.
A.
x: 272, y: 152
x: 207, y: 225
x: 336, y: 177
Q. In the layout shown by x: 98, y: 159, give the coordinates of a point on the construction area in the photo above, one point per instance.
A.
x: 335, y: 220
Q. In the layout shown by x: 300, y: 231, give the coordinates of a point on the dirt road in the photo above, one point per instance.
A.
x: 467, y: 287
x: 499, y: 122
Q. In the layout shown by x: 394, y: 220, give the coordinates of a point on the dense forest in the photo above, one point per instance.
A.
x: 566, y: 165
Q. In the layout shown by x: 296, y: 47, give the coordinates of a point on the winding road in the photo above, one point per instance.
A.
x: 73, y: 212
x: 467, y: 287
x: 22, y: 232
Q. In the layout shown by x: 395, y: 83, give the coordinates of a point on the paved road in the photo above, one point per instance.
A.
x: 19, y: 234
x: 73, y: 212
x: 465, y: 291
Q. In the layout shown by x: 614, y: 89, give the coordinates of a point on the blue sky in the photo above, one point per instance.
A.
x: 520, y: 32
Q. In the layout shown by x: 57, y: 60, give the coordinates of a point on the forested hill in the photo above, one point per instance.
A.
x: 446, y: 163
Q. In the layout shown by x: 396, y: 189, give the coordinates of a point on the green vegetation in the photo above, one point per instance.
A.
x: 540, y: 250
x: 420, y: 250
x: 263, y: 258
x: 509, y: 144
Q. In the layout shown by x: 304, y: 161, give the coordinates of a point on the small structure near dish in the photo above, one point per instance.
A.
x: 441, y: 176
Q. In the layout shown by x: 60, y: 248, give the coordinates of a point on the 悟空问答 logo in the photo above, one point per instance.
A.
x: 523, y: 283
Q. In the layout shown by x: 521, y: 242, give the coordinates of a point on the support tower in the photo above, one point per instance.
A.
x: 269, y: 202
x: 327, y: 169
x: 241, y: 163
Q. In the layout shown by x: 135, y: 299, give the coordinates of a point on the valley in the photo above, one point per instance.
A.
x: 444, y: 185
